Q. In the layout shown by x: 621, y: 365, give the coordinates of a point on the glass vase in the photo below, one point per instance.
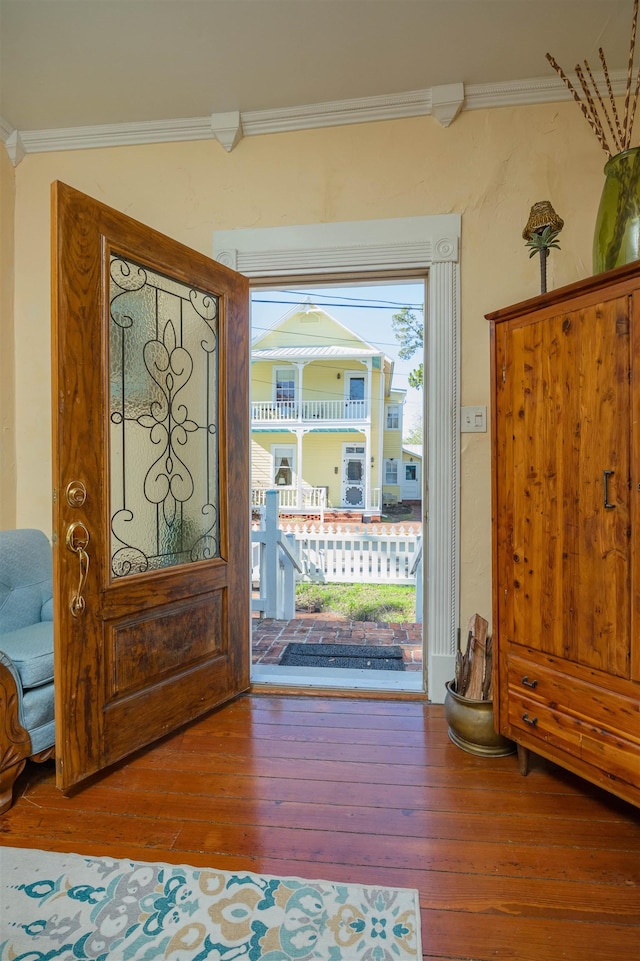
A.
x: 617, y: 236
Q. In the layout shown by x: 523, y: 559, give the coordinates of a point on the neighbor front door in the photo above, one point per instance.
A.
x: 151, y: 484
x: 353, y: 475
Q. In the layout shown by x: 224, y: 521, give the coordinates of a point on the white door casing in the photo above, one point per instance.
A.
x: 428, y: 246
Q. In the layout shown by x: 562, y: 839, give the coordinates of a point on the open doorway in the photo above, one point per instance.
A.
x: 421, y: 246
x: 337, y: 412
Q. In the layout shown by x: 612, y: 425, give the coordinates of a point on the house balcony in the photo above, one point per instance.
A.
x: 330, y: 413
x: 307, y: 500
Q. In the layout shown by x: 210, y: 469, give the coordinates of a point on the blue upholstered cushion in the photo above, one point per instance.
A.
x: 31, y: 650
x: 25, y: 577
x: 37, y: 712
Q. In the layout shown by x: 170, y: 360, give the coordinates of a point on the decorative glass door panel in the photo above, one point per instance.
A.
x: 163, y: 347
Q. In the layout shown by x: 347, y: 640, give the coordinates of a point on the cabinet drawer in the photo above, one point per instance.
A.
x: 606, y: 750
x: 548, y: 684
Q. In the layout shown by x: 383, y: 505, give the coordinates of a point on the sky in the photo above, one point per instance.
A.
x: 365, y: 309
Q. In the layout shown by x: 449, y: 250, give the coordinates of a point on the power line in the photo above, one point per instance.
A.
x: 360, y: 305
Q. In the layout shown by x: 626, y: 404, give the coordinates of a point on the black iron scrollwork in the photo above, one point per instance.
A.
x: 163, y: 376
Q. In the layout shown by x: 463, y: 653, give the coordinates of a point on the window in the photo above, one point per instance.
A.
x: 283, y: 466
x: 356, y: 387
x: 285, y: 385
x: 393, y: 416
x: 390, y: 471
x: 411, y: 472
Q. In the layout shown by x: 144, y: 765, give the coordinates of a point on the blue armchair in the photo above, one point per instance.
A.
x: 26, y: 655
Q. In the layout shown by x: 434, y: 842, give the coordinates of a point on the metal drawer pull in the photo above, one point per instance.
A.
x: 606, y: 474
x: 530, y: 720
x: 527, y: 683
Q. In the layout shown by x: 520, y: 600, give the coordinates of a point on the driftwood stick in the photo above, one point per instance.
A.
x: 632, y: 49
x: 603, y: 108
x: 574, y: 93
x: 487, y: 684
x: 478, y: 628
x: 619, y: 138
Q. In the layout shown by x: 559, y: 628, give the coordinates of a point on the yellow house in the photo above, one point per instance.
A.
x: 326, y: 423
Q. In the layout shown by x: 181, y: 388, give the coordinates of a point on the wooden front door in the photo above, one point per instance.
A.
x: 151, y: 478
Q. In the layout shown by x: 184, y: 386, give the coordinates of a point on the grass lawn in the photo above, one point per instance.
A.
x: 359, y: 602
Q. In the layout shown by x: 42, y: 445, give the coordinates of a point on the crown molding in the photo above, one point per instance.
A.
x: 6, y: 129
x: 227, y: 129
x: 443, y: 103
x: 446, y: 102
x: 117, y: 135
x: 12, y: 141
x: 517, y: 93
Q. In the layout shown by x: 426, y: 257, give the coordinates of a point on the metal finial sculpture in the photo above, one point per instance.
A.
x: 541, y: 233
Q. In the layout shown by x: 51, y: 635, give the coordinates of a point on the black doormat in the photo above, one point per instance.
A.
x: 343, y: 655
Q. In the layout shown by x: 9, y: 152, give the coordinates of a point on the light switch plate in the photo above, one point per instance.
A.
x: 473, y: 420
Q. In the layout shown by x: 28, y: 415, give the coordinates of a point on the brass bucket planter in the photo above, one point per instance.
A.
x: 471, y: 726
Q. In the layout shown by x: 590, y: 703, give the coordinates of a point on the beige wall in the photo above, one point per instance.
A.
x: 7, y: 386
x: 490, y: 166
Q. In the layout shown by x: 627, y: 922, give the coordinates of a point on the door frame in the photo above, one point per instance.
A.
x: 402, y: 248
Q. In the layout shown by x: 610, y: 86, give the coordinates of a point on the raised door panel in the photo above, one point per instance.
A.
x: 562, y: 487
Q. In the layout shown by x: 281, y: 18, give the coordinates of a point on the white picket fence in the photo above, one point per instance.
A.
x: 337, y: 553
x: 346, y: 556
x: 327, y: 553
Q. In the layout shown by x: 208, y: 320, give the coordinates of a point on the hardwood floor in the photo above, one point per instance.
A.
x: 541, y: 868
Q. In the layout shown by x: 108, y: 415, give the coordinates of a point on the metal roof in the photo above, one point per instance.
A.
x: 312, y: 353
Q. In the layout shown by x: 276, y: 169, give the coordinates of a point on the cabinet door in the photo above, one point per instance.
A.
x: 562, y: 460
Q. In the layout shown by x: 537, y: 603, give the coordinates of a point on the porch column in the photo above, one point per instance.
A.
x: 299, y: 435
x: 367, y: 434
x: 300, y: 366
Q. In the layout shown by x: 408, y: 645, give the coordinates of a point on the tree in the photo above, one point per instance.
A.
x: 409, y: 331
x: 414, y: 434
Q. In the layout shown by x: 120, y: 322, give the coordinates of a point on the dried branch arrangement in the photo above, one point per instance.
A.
x: 614, y: 134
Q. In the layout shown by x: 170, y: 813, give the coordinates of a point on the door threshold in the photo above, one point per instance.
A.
x: 339, y: 678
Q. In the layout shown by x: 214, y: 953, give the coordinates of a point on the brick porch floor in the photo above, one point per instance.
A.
x: 270, y: 637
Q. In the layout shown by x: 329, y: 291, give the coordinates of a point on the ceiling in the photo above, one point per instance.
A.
x: 70, y: 63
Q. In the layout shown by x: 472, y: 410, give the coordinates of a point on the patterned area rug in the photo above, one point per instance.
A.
x: 65, y: 907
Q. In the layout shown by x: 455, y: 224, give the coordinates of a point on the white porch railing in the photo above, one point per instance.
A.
x: 309, y: 500
x: 309, y: 411
x: 275, y: 555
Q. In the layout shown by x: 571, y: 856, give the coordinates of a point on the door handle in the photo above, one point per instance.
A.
x: 606, y: 474
x: 77, y: 541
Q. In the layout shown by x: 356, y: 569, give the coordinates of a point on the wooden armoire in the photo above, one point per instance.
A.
x: 565, y: 369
